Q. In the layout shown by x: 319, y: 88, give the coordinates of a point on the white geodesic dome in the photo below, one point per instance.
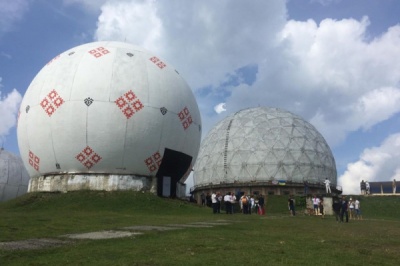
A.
x: 261, y: 145
x: 14, y: 178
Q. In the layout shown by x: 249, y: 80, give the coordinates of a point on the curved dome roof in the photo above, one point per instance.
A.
x: 264, y: 144
x: 14, y: 178
x: 106, y: 108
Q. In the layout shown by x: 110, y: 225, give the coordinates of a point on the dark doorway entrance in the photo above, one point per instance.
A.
x: 173, y: 166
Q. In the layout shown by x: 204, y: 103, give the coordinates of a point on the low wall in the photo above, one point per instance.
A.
x: 70, y: 182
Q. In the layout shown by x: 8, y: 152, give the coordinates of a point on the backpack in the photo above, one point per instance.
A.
x: 244, y: 200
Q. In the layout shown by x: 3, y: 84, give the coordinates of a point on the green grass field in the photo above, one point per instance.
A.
x: 273, y: 239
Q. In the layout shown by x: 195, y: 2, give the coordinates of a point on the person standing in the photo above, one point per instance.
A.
x: 214, y: 202
x: 208, y: 200
x: 203, y: 199
x: 305, y: 187
x: 227, y: 201
x: 394, y: 186
x: 357, y: 208
x: 363, y: 187
x: 315, y: 201
x: 327, y: 185
x: 233, y: 201
x: 367, y: 188
x: 321, y: 208
x: 351, y: 209
x: 291, y: 203
x: 261, y: 202
x: 343, y: 210
x: 219, y: 201
x: 336, y: 209
x: 251, y: 206
x: 245, y: 203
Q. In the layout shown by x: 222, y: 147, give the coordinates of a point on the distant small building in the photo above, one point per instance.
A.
x: 381, y: 187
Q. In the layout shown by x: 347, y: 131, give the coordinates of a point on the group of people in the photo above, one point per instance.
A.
x: 252, y: 204
x: 348, y: 209
x: 247, y: 204
x: 365, y: 188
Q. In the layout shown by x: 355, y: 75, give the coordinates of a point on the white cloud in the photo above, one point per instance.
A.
x: 11, y: 12
x: 133, y: 21
x: 375, y: 164
x: 219, y: 108
x: 8, y: 111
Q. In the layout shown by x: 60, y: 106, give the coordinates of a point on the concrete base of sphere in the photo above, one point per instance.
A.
x: 75, y: 182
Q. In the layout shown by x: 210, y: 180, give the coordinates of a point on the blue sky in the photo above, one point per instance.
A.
x: 333, y: 62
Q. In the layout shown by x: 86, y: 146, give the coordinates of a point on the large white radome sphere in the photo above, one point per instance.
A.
x: 14, y: 178
x: 263, y: 145
x: 107, y: 108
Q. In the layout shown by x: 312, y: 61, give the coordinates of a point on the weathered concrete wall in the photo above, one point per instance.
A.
x: 327, y: 204
x: 70, y: 182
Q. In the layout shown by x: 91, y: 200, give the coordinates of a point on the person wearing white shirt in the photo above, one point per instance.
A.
x: 316, y: 202
x: 214, y: 202
x: 327, y: 185
x: 227, y: 201
x: 357, y: 207
x: 233, y: 201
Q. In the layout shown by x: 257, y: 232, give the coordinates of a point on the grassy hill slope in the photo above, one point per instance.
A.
x: 274, y: 239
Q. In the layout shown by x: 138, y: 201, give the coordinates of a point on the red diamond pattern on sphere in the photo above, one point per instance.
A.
x: 153, y: 162
x: 130, y: 96
x: 128, y: 112
x: 98, y: 52
x: 129, y: 104
x: 88, y: 157
x: 185, y: 118
x: 158, y: 62
x: 34, y: 161
x: 51, y: 102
